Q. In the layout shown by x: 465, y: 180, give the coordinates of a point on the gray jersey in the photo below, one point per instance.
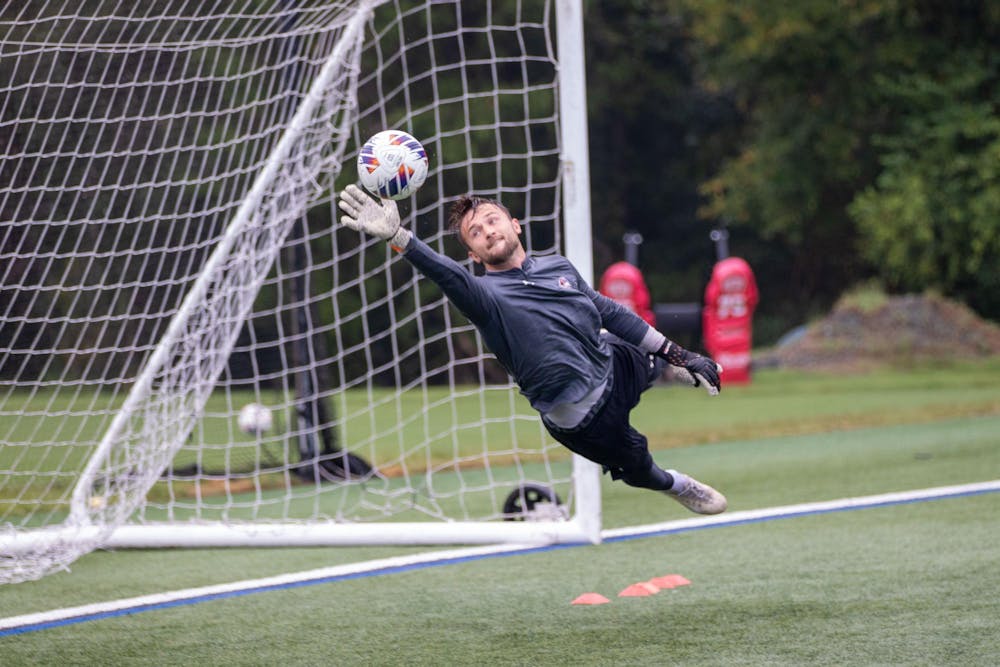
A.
x: 541, y: 321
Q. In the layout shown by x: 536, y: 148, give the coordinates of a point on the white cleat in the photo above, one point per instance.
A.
x: 696, y: 496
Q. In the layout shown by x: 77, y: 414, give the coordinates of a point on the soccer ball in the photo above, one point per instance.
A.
x: 255, y: 419
x: 392, y: 164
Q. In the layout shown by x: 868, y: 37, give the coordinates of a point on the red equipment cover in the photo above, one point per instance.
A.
x: 624, y: 283
x: 727, y: 320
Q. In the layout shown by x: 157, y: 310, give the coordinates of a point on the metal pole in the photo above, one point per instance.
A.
x: 632, y: 242
x: 721, y: 238
x: 576, y: 215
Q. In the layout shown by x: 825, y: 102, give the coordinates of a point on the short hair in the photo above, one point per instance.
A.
x: 461, y: 207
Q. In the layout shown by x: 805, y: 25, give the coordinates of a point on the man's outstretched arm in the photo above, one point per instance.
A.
x: 622, y: 322
x: 363, y: 214
x: 704, y: 371
x: 381, y: 219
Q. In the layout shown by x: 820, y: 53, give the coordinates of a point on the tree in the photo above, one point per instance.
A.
x: 869, y: 135
x: 932, y: 218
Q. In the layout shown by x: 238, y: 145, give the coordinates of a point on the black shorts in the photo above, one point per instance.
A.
x: 607, y: 438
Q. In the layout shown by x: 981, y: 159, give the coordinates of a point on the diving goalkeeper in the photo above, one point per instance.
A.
x: 544, y: 323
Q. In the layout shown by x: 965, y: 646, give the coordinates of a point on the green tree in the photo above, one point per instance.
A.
x: 867, y: 124
x: 932, y: 218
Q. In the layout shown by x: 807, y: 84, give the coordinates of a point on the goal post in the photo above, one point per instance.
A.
x: 576, y: 214
x: 159, y: 159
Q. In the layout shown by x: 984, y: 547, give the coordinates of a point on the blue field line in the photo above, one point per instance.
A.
x: 656, y: 530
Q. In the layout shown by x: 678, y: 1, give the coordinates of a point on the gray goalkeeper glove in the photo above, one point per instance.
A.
x: 702, y: 370
x: 364, y: 214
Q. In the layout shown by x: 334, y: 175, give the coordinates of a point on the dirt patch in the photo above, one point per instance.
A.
x: 893, y: 331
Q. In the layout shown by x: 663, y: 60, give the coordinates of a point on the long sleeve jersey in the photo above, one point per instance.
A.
x: 542, y: 321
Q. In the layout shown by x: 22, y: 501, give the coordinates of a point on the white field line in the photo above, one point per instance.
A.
x: 401, y: 563
x: 803, y: 509
x: 275, y: 582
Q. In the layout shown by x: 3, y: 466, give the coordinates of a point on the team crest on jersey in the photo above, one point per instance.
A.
x: 564, y: 283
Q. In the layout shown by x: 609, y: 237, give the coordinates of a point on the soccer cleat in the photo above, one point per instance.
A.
x: 696, y: 496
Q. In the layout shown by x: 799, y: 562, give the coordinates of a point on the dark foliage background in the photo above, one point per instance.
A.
x: 839, y: 142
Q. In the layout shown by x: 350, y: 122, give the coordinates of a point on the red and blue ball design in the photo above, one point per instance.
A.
x: 392, y: 164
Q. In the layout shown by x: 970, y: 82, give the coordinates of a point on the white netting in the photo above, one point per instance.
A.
x: 169, y: 254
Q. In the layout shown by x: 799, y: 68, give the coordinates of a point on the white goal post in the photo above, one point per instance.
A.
x: 169, y: 254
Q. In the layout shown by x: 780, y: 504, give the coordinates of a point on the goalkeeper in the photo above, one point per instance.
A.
x: 544, y: 323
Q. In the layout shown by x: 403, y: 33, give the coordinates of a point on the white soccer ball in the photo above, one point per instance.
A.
x: 255, y: 419
x: 392, y: 164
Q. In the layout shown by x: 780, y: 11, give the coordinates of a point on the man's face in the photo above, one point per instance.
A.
x: 491, y: 236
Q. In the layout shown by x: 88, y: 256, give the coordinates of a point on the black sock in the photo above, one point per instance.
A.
x: 655, y: 478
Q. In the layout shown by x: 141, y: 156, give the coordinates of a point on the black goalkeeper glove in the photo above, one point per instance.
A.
x: 703, y: 370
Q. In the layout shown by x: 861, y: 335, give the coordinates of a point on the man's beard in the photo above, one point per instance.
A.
x: 499, y: 253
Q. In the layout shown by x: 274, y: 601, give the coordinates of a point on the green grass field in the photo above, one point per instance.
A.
x: 912, y: 584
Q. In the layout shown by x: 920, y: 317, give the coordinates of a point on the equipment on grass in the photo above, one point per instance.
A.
x: 168, y: 254
x: 533, y: 502
x: 392, y: 164
x: 255, y: 419
x: 730, y: 299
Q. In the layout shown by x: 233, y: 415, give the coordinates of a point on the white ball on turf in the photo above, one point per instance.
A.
x: 255, y: 418
x: 392, y: 164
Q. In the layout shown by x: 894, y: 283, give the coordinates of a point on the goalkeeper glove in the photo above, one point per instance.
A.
x: 703, y: 370
x: 364, y: 214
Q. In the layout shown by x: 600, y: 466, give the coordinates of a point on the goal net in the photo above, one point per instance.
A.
x: 169, y: 255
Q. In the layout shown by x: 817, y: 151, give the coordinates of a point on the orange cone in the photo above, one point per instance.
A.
x: 638, y: 591
x: 669, y: 581
x: 591, y: 598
